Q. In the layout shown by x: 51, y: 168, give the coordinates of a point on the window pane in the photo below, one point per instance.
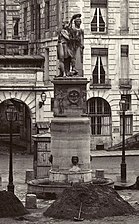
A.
x: 102, y: 72
x: 38, y: 23
x: 15, y: 26
x: 47, y: 17
x: 101, y: 22
x: 107, y: 109
x: 105, y: 125
x: 124, y: 50
x: 95, y: 73
x: 92, y: 107
x: 25, y: 21
x: 99, y: 106
x: 94, y: 22
x: 128, y: 100
x: 98, y: 125
x: 128, y: 124
x: 100, y: 121
x: 99, y: 65
x: 32, y: 17
x: 93, y: 125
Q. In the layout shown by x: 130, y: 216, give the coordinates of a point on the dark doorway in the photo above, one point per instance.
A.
x: 21, y: 128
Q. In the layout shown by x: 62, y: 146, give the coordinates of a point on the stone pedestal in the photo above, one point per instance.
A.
x: 41, y: 163
x: 70, y: 137
x: 70, y: 131
x: 69, y: 96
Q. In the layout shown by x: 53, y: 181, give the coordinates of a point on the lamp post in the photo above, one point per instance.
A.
x: 11, y: 115
x: 123, y: 163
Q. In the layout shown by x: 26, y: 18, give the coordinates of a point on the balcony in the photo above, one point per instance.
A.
x: 13, y: 47
x: 106, y: 84
x: 15, y: 54
x: 125, y: 83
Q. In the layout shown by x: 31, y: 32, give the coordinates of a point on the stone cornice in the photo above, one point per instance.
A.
x: 26, y: 88
x: 111, y: 37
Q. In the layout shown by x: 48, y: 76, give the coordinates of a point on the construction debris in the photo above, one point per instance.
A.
x: 10, y: 205
x: 97, y: 202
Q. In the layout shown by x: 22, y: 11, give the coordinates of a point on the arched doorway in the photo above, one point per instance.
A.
x: 21, y: 126
x: 99, y: 112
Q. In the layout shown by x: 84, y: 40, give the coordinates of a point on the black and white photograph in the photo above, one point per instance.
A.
x: 69, y: 111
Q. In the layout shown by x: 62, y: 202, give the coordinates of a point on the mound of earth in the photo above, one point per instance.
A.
x: 10, y: 205
x: 97, y: 202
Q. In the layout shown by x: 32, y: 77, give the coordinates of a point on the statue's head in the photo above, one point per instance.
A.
x: 77, y: 22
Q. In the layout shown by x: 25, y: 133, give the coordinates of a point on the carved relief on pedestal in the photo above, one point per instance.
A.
x: 74, y: 97
x: 70, y: 99
x: 60, y: 96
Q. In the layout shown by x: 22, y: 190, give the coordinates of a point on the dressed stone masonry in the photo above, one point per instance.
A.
x: 70, y: 127
x: 70, y: 131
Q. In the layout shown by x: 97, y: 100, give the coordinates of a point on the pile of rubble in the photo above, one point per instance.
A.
x: 10, y: 205
x: 97, y: 202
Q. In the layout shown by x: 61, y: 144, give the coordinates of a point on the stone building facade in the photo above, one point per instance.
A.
x: 9, y: 19
x: 21, y: 81
x: 111, y: 58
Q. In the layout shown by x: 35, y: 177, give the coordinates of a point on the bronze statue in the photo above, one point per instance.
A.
x: 70, y: 47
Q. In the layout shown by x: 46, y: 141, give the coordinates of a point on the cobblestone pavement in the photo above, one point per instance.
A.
x: 24, y: 162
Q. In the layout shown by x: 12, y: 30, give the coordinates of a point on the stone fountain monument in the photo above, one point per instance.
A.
x: 70, y: 127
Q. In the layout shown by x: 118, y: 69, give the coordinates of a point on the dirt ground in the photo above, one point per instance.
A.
x: 21, y: 163
x: 37, y: 218
x: 36, y: 215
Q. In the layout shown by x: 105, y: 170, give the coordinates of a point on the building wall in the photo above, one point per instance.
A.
x: 12, y: 10
x: 113, y: 39
x: 122, y: 28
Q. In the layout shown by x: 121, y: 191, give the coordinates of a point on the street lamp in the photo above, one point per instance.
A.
x: 11, y: 115
x: 123, y: 108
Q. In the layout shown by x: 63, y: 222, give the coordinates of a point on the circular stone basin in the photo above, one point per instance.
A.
x: 70, y: 177
x: 43, y: 188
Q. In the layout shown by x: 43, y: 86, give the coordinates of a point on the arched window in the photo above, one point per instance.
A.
x: 100, y: 114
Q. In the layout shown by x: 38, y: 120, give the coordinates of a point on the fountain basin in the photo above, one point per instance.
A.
x: 70, y: 177
x: 44, y: 188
